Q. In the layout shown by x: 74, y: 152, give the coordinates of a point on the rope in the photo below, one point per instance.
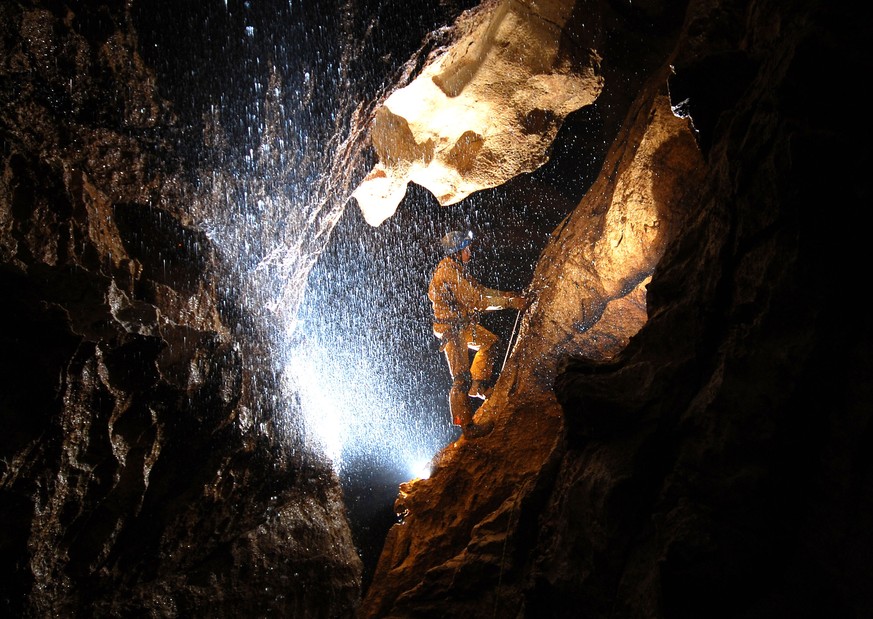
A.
x: 511, y: 338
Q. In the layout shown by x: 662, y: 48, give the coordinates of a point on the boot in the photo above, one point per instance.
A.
x: 481, y: 389
x: 474, y: 430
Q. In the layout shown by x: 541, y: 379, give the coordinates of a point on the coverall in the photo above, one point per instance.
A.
x: 458, y: 300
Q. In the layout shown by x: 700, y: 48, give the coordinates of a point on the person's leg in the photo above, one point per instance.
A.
x: 456, y: 349
x: 482, y: 369
x: 458, y: 358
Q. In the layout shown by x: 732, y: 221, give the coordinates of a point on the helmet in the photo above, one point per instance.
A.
x: 456, y: 240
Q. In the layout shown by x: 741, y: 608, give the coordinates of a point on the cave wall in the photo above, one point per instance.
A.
x: 685, y: 438
x: 716, y: 468
x: 681, y: 434
x: 142, y: 470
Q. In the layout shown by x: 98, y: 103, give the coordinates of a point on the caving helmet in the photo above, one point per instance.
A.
x: 456, y: 240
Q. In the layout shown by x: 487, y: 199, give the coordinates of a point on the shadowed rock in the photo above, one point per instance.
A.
x: 141, y: 471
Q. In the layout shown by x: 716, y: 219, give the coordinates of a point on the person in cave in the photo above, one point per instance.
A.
x: 458, y: 301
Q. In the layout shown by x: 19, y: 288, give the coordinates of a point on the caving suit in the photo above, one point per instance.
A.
x: 457, y: 301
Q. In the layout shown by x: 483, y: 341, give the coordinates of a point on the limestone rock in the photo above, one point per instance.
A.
x: 682, y: 426
x: 482, y: 111
x: 140, y: 468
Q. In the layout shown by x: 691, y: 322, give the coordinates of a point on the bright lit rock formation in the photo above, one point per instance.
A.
x: 483, y: 111
x: 682, y: 429
x: 669, y: 431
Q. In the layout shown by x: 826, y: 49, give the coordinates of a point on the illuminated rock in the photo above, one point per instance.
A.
x: 682, y: 430
x: 142, y: 472
x: 589, y: 291
x: 483, y: 111
x: 670, y: 428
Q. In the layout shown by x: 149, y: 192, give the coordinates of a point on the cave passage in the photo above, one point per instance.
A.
x: 379, y: 381
x: 264, y: 92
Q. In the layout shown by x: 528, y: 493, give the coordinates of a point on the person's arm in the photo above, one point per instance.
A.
x: 498, y: 300
x: 483, y: 299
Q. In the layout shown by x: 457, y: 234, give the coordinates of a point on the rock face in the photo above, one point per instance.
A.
x: 141, y: 470
x: 682, y: 426
x: 483, y: 110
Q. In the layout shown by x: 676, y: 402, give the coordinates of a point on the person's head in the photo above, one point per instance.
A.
x: 458, y: 242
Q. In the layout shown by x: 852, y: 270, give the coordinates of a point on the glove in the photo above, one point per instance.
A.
x: 519, y: 303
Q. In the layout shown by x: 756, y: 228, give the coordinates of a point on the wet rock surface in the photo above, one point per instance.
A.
x: 142, y: 470
x: 484, y: 109
x: 681, y: 428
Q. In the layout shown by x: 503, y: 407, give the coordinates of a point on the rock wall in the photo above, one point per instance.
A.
x: 681, y: 428
x: 484, y: 109
x: 142, y: 471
